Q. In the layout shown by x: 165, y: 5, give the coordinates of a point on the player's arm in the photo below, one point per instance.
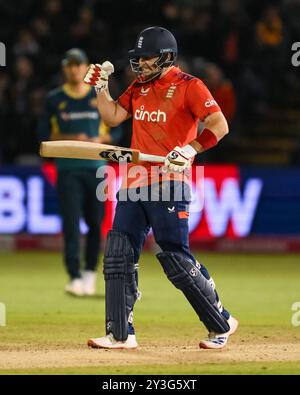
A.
x: 110, y: 110
x: 215, y: 128
x: 203, y: 106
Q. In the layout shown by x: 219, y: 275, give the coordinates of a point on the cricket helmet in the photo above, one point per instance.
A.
x: 151, y: 42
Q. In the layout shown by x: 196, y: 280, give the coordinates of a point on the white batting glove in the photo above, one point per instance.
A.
x: 180, y: 159
x: 97, y: 75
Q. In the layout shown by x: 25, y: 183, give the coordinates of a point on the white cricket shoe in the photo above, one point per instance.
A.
x: 217, y: 341
x: 75, y: 287
x: 89, y: 282
x: 110, y: 342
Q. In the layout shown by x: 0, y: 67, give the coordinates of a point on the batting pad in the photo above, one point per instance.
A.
x: 120, y: 284
x: 185, y: 275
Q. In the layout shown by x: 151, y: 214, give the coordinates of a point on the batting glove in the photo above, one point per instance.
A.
x: 97, y: 75
x: 180, y: 159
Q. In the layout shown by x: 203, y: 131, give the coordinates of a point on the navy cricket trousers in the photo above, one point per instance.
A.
x: 168, y: 219
x: 169, y: 222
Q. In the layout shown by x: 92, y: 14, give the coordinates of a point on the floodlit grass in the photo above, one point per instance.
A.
x: 258, y: 289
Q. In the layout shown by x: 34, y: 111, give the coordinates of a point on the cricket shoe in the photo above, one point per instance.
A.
x: 109, y: 342
x: 217, y: 341
x: 89, y: 282
x: 75, y: 287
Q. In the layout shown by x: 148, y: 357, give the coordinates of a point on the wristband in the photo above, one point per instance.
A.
x: 207, y: 139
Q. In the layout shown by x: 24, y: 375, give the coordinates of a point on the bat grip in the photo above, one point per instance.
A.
x: 151, y: 158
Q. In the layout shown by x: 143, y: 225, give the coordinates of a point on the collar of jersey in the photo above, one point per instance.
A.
x: 167, y: 78
x: 71, y: 94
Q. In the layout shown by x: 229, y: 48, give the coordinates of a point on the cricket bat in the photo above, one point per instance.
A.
x: 89, y: 150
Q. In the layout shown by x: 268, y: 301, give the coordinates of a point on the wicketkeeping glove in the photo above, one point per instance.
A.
x: 97, y: 75
x: 180, y: 159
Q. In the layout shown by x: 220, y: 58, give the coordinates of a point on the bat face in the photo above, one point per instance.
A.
x: 117, y: 155
x: 74, y: 149
x: 88, y: 150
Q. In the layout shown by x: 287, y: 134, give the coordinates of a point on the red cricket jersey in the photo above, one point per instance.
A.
x: 166, y: 112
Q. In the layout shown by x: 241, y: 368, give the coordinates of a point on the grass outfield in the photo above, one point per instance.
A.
x: 46, y: 330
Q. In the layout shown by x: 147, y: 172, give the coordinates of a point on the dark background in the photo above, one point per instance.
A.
x: 240, y: 48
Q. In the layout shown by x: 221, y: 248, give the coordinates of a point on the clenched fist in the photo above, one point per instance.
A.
x: 97, y: 75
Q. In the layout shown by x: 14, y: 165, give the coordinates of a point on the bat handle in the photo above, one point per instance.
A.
x: 151, y: 158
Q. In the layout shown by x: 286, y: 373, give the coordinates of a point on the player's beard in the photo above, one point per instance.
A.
x: 145, y: 72
x: 149, y: 73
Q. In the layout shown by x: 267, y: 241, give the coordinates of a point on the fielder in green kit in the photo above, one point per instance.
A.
x: 70, y: 113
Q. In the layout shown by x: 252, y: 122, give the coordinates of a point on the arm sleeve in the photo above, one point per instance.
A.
x: 44, y: 122
x: 199, y: 100
x: 125, y: 100
x: 115, y: 133
x: 104, y: 130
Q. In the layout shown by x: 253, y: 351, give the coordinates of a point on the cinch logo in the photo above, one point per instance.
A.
x: 210, y: 103
x: 2, y: 54
x: 154, y: 116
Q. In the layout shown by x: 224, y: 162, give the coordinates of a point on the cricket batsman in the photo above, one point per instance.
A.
x: 166, y: 105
